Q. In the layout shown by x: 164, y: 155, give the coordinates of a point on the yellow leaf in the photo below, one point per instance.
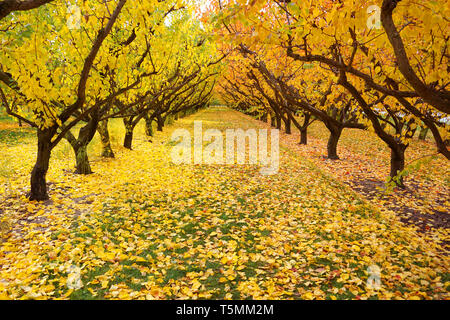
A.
x: 308, y: 296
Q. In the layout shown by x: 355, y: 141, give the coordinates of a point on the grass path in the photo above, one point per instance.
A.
x: 141, y: 227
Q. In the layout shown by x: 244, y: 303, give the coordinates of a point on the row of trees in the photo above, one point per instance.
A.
x: 300, y: 61
x: 118, y: 60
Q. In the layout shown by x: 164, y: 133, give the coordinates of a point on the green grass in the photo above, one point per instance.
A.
x: 15, y: 136
x: 5, y: 118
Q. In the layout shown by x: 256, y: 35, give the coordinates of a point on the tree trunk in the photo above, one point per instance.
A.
x: 397, y: 164
x: 128, y: 141
x: 160, y: 122
x: 272, y: 121
x: 287, y: 125
x: 102, y: 129
x: 83, y: 166
x: 148, y: 126
x: 80, y: 150
x: 38, y: 175
x: 79, y: 146
x: 129, y: 128
x: 423, y: 133
x: 304, y: 136
x: 264, y: 117
x: 333, y: 140
x: 278, y: 119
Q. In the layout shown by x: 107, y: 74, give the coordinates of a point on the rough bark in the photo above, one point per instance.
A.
x: 423, y: 133
x: 160, y: 122
x: 304, y: 136
x: 335, y: 134
x: 82, y: 160
x: 287, y: 125
x: 85, y: 136
x: 397, y: 163
x: 8, y: 6
x: 130, y: 124
x: 278, y: 121
x: 74, y: 143
x: 79, y: 146
x: 102, y: 130
x: 38, y: 175
x: 128, y: 140
x: 148, y: 126
x: 264, y: 117
x: 273, y: 121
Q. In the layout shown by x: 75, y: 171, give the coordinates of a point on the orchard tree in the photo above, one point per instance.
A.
x: 337, y: 36
x: 132, y: 52
x: 55, y: 76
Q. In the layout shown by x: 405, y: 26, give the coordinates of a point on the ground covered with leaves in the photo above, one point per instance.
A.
x: 142, y: 227
x: 364, y: 166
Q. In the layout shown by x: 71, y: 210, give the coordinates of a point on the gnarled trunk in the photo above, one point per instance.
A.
x: 81, y: 157
x: 79, y: 146
x: 82, y: 160
x: 102, y: 129
x: 278, y: 119
x: 128, y: 140
x: 38, y: 175
x: 129, y: 128
x: 423, y: 133
x: 335, y: 134
x: 397, y: 164
x: 304, y: 136
x: 160, y: 122
x: 148, y: 126
x: 287, y: 125
x: 84, y: 138
x: 264, y: 117
x: 273, y: 121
